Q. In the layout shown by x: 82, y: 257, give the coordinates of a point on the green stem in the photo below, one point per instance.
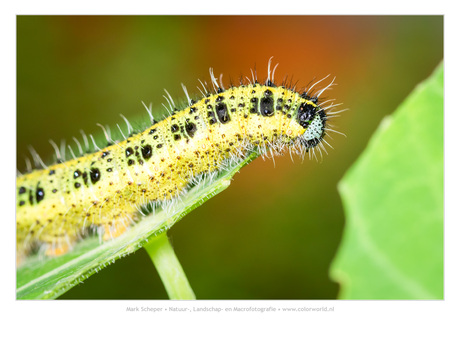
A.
x: 171, y: 273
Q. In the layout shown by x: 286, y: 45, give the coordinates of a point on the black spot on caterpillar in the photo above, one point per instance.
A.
x: 105, y: 188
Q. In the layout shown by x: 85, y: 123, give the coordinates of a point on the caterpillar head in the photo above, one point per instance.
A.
x: 313, y: 119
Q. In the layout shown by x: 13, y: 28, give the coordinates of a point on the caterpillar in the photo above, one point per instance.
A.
x: 105, y: 189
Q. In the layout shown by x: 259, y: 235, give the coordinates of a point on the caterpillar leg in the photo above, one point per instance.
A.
x: 20, y: 257
x: 50, y: 247
x: 57, y: 249
x: 113, y: 231
x: 58, y: 245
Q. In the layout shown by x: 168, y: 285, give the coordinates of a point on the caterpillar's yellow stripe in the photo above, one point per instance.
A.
x: 106, y: 188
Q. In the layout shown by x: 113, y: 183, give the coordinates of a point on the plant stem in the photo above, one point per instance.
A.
x: 171, y: 273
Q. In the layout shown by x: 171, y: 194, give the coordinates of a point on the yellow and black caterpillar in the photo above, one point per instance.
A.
x: 106, y: 188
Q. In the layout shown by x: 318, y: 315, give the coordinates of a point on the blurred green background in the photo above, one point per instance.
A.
x: 274, y: 232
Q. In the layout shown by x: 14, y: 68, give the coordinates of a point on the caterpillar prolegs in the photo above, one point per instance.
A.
x: 106, y: 188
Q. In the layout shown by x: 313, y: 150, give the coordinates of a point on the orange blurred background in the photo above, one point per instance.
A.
x: 274, y: 232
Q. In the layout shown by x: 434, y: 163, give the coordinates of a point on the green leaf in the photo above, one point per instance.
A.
x: 392, y: 246
x: 49, y: 278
